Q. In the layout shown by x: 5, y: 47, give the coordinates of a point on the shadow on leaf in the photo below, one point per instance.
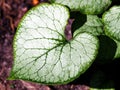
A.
x: 107, y: 50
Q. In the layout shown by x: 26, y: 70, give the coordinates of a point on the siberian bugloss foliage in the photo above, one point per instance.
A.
x: 43, y: 54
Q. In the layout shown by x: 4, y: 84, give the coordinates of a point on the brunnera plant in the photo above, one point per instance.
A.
x: 41, y: 51
x: 43, y: 54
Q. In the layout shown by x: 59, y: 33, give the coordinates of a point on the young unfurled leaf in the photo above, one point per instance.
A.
x: 86, y: 6
x: 41, y: 52
x: 111, y: 20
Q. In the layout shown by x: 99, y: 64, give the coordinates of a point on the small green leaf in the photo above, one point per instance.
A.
x: 92, y: 25
x: 41, y: 52
x: 111, y: 20
x: 86, y: 6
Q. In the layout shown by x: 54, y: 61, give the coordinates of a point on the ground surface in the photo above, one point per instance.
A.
x: 11, y: 12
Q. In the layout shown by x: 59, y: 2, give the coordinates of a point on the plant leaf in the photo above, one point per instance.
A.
x: 117, y: 54
x: 86, y: 6
x: 92, y: 25
x: 41, y: 52
x: 111, y: 20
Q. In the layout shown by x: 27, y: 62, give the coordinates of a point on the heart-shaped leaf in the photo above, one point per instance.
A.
x: 86, y: 6
x: 41, y: 52
x: 111, y: 20
x: 92, y: 25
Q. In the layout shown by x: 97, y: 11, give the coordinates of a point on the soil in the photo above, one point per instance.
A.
x: 11, y: 11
